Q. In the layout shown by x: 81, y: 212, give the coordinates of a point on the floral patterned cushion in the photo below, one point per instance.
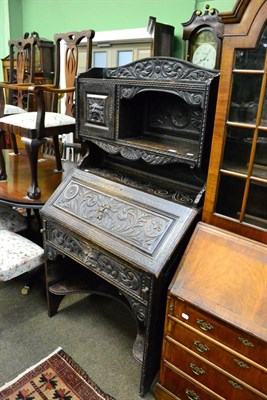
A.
x: 10, y: 109
x: 17, y: 255
x: 11, y: 219
x: 28, y: 120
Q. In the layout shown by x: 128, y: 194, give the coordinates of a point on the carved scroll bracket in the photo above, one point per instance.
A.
x: 147, y: 156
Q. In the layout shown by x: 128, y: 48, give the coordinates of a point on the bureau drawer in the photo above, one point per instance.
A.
x: 120, y: 274
x: 227, y: 386
x: 242, y: 342
x: 201, y: 345
x: 180, y: 386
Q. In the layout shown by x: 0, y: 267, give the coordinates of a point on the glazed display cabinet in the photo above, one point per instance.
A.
x: 236, y: 195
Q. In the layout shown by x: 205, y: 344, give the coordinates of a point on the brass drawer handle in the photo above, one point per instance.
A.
x: 246, y: 342
x: 205, y: 326
x: 241, y: 363
x: 196, y: 370
x: 171, y: 307
x: 191, y: 395
x: 200, y: 347
x: 235, y: 385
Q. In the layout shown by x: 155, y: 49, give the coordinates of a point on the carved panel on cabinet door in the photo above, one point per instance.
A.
x: 96, y: 109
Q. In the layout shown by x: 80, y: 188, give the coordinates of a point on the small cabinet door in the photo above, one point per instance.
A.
x: 96, y: 114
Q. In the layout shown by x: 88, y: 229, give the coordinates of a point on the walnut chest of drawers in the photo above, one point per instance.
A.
x: 214, y: 344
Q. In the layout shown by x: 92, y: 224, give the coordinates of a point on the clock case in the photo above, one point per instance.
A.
x: 199, y: 22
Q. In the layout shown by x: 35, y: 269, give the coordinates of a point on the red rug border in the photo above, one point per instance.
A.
x: 69, y: 360
x: 83, y: 374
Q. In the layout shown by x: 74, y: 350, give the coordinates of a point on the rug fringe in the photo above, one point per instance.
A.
x: 29, y: 369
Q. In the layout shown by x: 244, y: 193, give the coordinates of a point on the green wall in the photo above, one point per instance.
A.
x: 221, y: 5
x: 49, y: 16
x: 16, y: 24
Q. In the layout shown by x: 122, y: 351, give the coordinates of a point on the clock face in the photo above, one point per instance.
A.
x: 205, y: 56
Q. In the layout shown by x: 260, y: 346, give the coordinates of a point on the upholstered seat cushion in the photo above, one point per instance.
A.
x: 17, y: 255
x: 11, y: 219
x: 10, y: 109
x: 28, y: 120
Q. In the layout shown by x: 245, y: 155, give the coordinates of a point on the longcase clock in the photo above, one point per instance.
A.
x: 202, y: 36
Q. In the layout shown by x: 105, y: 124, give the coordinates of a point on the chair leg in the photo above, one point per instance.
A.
x: 32, y: 278
x: 14, y: 143
x: 32, y: 146
x: 57, y: 153
x: 3, y: 174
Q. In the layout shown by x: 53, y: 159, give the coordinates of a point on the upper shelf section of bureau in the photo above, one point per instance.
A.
x: 161, y: 106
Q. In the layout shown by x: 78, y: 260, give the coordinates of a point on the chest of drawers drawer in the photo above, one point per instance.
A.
x: 208, y: 374
x: 175, y: 385
x: 242, y: 342
x: 222, y: 356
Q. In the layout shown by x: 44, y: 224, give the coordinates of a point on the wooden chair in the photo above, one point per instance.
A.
x: 21, y: 73
x: 35, y: 127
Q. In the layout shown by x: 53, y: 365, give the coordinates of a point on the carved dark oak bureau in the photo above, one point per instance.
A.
x: 127, y: 212
x: 215, y: 336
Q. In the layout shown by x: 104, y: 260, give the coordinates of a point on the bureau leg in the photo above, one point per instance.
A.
x: 138, y: 347
x: 53, y: 303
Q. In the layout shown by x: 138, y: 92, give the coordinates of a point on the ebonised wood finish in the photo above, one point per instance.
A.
x: 127, y: 212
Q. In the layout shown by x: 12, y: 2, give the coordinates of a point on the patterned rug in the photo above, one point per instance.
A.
x: 55, y: 377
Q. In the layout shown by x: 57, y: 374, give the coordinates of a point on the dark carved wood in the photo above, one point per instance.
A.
x: 132, y: 259
x: 126, y: 213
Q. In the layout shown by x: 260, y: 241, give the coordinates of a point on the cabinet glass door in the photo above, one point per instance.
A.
x: 242, y: 192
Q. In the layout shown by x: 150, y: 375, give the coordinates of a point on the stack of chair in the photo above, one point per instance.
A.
x: 35, y: 127
x: 17, y: 253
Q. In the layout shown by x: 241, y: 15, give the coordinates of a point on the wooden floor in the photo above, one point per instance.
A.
x: 14, y: 190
